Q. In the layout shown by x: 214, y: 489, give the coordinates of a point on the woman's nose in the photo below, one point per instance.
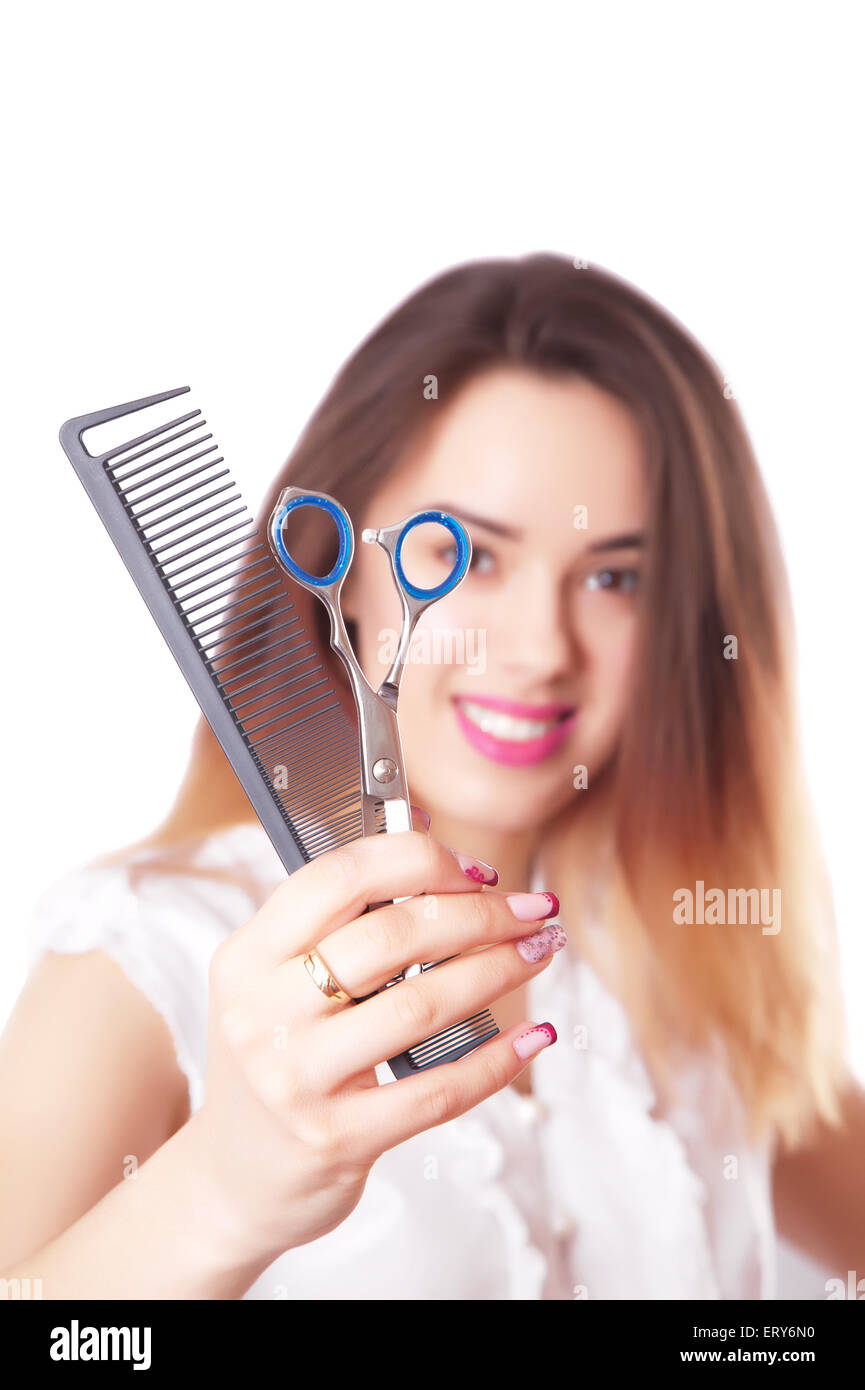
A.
x: 532, y: 633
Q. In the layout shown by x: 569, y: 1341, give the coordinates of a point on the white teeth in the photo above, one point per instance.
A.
x: 504, y: 726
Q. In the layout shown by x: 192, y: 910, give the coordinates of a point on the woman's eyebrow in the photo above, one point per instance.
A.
x: 632, y: 540
x: 497, y: 527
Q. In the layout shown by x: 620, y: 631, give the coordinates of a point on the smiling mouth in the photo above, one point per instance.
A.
x: 511, y: 721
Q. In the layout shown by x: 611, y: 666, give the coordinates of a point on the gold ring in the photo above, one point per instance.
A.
x: 322, y: 978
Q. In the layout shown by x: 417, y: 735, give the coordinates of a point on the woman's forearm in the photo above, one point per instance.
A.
x: 167, y: 1233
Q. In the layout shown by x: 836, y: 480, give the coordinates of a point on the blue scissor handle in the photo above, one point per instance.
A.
x: 460, y: 564
x: 343, y: 559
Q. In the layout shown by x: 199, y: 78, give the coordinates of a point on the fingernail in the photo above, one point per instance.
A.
x: 532, y: 907
x: 534, y: 1040
x: 476, y: 869
x: 417, y: 811
x: 541, y: 943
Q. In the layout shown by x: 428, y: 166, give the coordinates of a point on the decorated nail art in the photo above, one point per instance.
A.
x: 532, y: 907
x: 534, y: 1040
x: 476, y: 869
x: 541, y: 943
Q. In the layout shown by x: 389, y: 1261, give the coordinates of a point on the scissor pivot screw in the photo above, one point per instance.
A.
x: 384, y: 770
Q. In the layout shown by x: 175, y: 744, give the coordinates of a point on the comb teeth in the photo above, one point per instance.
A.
x: 222, y: 578
x: 455, y: 1041
x: 448, y: 1044
x: 204, y: 547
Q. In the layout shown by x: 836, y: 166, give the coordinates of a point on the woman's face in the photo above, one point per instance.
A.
x: 521, y: 674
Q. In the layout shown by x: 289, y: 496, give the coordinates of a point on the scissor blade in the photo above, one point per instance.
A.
x: 380, y: 816
x: 397, y: 815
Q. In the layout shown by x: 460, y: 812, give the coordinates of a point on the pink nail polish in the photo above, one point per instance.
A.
x: 476, y: 869
x: 541, y: 943
x: 532, y: 907
x: 534, y: 1040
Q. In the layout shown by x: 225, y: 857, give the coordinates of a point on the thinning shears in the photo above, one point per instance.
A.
x: 382, y: 765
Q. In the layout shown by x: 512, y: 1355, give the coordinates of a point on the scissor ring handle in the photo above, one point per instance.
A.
x: 460, y: 564
x: 343, y: 559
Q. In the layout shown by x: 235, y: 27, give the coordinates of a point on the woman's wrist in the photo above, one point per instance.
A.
x: 232, y: 1240
x: 171, y: 1231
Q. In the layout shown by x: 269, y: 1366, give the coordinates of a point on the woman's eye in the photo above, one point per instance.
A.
x: 482, y: 560
x: 620, y: 581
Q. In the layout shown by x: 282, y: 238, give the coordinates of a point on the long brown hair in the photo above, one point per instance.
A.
x: 708, y: 777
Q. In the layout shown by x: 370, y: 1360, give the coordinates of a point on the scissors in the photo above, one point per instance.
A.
x: 383, y: 776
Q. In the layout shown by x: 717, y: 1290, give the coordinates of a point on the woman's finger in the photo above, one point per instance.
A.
x: 364, y: 954
x: 373, y: 1119
x: 419, y: 819
x: 357, y: 1038
x: 339, y: 885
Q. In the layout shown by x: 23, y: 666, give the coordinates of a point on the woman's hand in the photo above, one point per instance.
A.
x: 294, y: 1117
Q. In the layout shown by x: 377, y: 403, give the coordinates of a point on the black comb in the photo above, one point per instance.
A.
x: 212, y: 585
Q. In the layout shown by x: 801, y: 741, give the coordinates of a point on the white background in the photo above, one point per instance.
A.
x: 230, y: 197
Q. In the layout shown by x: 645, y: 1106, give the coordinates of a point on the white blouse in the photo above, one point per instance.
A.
x: 578, y: 1191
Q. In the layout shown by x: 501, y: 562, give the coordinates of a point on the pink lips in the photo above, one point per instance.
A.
x: 510, y: 751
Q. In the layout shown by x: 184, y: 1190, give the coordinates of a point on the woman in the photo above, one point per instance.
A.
x: 625, y: 749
